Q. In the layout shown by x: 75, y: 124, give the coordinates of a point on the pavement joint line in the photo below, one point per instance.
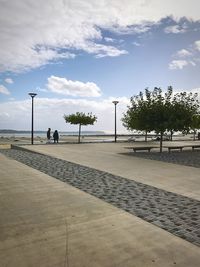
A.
x: 172, y: 212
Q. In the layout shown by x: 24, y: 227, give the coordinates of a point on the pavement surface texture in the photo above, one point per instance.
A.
x: 175, y: 213
x: 186, y: 158
x: 114, y: 158
x: 105, y: 208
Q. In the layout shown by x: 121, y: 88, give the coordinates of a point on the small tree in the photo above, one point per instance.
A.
x: 80, y: 118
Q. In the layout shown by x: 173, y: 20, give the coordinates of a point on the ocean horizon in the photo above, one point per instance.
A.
x: 27, y: 133
x: 24, y: 133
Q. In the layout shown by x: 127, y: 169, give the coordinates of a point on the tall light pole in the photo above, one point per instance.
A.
x: 115, y: 103
x: 32, y: 95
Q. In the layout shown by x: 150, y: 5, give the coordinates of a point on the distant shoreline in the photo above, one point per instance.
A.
x: 9, y: 131
x: 18, y: 137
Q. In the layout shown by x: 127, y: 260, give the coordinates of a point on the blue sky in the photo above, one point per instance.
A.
x: 81, y: 55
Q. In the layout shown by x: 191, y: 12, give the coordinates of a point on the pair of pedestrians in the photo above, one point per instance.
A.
x: 55, y: 136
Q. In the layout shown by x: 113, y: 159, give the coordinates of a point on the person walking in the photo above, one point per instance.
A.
x: 55, y: 136
x: 48, y: 135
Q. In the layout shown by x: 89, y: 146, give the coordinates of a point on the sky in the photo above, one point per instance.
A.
x: 80, y: 55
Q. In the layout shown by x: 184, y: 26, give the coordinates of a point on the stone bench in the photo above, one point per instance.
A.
x: 195, y: 146
x: 174, y: 147
x: 181, y: 147
x: 141, y: 148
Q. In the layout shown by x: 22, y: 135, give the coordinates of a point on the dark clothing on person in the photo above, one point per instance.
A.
x: 55, y: 136
x: 49, y: 134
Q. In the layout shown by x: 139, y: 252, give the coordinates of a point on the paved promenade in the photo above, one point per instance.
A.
x: 115, y: 159
x: 175, y: 213
x: 51, y: 223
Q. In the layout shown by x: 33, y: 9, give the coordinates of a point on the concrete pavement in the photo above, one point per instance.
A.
x: 110, y: 157
x: 45, y: 222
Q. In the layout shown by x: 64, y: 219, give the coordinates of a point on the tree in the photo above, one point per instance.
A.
x: 195, y: 124
x: 81, y: 119
x: 136, y: 116
x: 161, y: 112
x: 158, y: 112
x: 148, y: 112
x: 184, y: 107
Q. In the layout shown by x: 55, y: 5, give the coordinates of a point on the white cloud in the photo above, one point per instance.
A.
x: 108, y: 39
x: 178, y: 64
x: 74, y: 88
x: 104, y: 51
x: 192, y: 55
x: 9, y: 80
x: 136, y: 44
x: 31, y: 58
x: 132, y: 29
x: 34, y: 33
x: 39, y: 89
x: 175, y: 29
x: 192, y: 63
x: 4, y: 90
x: 101, y: 50
x: 197, y: 45
x: 183, y: 53
x: 49, y: 113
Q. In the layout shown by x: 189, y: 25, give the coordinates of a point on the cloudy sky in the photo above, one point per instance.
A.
x: 80, y: 55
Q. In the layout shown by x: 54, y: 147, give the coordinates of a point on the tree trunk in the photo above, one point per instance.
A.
x: 79, y: 133
x: 161, y: 141
x: 171, y: 133
x: 146, y: 136
x: 194, y: 133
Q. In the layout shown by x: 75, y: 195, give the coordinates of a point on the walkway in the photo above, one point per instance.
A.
x: 50, y: 222
x: 175, y: 213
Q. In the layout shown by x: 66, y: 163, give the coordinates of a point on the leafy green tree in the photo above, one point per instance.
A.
x: 195, y: 124
x: 136, y: 116
x: 148, y: 112
x: 158, y: 112
x: 80, y: 118
x: 161, y: 112
x: 182, y: 107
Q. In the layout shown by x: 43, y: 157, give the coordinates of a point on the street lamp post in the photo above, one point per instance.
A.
x: 32, y: 95
x: 115, y: 103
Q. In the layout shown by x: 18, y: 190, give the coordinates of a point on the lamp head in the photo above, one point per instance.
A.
x: 32, y: 94
x: 115, y: 102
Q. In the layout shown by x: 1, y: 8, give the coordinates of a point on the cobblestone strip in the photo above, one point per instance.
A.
x: 177, y: 214
x: 187, y: 158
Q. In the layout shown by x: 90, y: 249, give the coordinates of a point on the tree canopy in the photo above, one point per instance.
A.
x: 195, y: 124
x: 80, y: 118
x: 160, y: 112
